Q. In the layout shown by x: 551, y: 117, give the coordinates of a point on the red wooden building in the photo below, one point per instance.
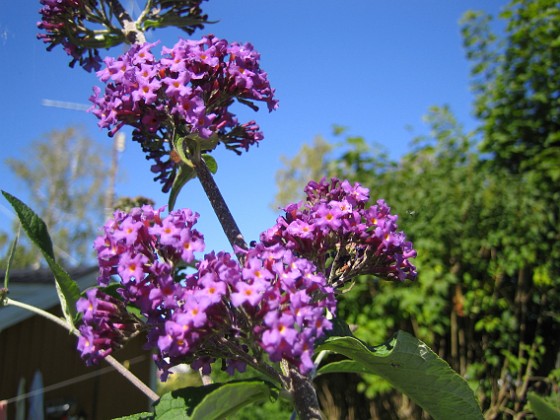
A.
x: 30, y: 343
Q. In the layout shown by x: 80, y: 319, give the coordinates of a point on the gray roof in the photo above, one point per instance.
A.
x: 37, y: 288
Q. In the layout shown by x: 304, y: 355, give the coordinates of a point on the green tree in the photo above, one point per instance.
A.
x: 516, y: 80
x: 66, y: 176
x: 482, y: 210
x: 482, y: 301
x: 352, y: 157
x: 308, y: 164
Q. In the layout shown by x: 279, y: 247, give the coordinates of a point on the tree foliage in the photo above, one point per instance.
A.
x: 65, y: 176
x: 484, y: 301
x: 482, y: 211
x: 516, y: 79
x: 308, y: 164
x: 516, y: 83
x: 485, y: 223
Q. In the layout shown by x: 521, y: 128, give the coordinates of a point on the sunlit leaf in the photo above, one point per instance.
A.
x: 211, y: 163
x: 211, y: 401
x: 139, y: 416
x: 542, y: 408
x: 184, y: 174
x: 67, y: 289
x: 412, y: 368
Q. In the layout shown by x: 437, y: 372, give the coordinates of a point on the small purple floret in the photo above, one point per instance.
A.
x: 188, y: 92
x: 334, y: 224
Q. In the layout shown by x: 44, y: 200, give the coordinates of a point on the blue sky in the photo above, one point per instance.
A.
x: 372, y: 66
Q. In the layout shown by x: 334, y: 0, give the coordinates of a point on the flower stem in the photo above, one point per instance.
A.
x: 238, y: 352
x: 110, y: 359
x: 42, y: 313
x: 304, y: 396
x: 219, y: 205
x: 119, y: 11
x: 131, y: 32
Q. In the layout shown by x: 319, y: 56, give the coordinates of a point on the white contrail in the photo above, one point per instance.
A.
x: 66, y: 105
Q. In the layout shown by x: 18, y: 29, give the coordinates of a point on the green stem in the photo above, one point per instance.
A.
x: 42, y: 313
x: 322, y: 354
x: 110, y: 359
x: 145, y: 12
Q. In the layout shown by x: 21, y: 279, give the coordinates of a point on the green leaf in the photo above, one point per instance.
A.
x: 3, y: 296
x: 180, y: 146
x: 4, y: 290
x: 210, y: 162
x: 34, y: 226
x: 542, y: 408
x: 146, y: 415
x: 412, y: 368
x: 184, y: 174
x: 339, y: 329
x: 181, y: 402
x: 112, y: 290
x: 10, y: 260
x: 211, y: 401
x: 231, y: 397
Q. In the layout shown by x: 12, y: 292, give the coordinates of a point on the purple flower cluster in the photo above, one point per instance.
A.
x: 272, y: 302
x: 105, y: 325
x: 82, y: 27
x: 334, y: 228
x: 59, y: 20
x: 185, y: 94
x: 143, y: 249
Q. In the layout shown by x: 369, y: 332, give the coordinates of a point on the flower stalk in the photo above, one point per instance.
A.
x: 110, y: 359
x: 304, y: 396
x: 219, y: 205
x: 130, y: 30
